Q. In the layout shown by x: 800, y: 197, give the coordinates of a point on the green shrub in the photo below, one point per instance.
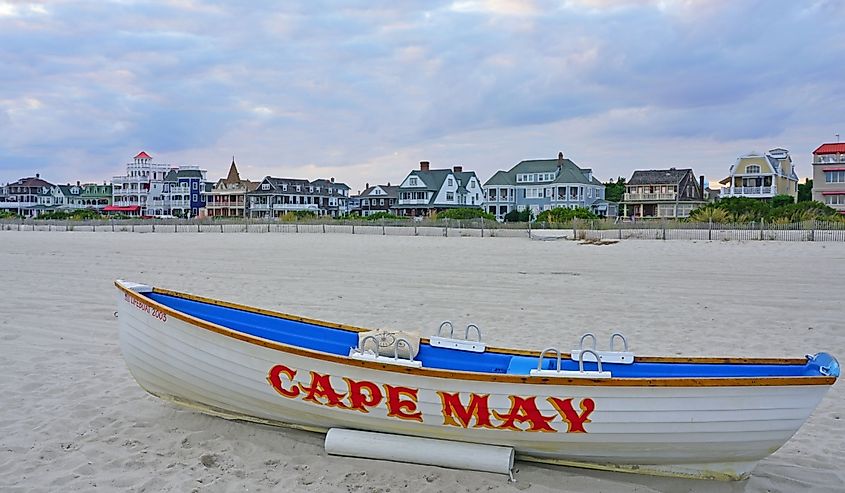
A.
x: 516, y: 216
x: 465, y: 213
x: 565, y: 214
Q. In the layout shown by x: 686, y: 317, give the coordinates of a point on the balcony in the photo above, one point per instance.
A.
x: 748, y: 191
x: 413, y: 202
x: 635, y: 197
x: 294, y: 207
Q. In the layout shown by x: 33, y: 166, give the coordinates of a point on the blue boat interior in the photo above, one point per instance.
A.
x: 339, y: 342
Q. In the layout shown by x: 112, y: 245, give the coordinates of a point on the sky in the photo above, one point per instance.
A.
x: 364, y: 90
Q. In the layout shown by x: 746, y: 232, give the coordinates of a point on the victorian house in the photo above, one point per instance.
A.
x: 375, y: 199
x: 663, y: 193
x: 544, y: 184
x: 273, y: 197
x: 762, y: 176
x: 23, y: 196
x: 425, y: 191
x: 227, y: 197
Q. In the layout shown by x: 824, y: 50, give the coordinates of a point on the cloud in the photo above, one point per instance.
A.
x: 365, y: 90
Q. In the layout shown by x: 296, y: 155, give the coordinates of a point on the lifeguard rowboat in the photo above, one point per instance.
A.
x: 695, y: 417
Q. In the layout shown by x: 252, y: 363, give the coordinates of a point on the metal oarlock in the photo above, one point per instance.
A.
x: 580, y: 373
x: 450, y: 342
x: 624, y: 357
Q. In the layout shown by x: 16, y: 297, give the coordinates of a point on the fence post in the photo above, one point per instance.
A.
x: 221, y: 227
x: 133, y: 228
x: 761, y: 230
x: 710, y: 229
x: 383, y: 232
x: 296, y: 225
x: 353, y: 228
x: 813, y: 231
x: 198, y: 227
x: 574, y: 231
x: 664, y: 230
x: 529, y: 228
x: 482, y: 227
x: 446, y: 229
x: 619, y: 230
x: 324, y: 228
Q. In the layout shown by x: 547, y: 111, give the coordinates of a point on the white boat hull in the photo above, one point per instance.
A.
x: 717, y: 432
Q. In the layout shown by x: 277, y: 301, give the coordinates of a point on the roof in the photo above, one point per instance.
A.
x: 143, y: 155
x: 671, y: 176
x: 189, y: 173
x: 391, y: 191
x: 233, y: 176
x: 117, y: 208
x: 170, y: 176
x: 566, y: 172
x: 31, y: 182
x: 830, y: 148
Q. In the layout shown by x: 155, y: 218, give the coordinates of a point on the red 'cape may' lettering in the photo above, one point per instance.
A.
x: 402, y: 403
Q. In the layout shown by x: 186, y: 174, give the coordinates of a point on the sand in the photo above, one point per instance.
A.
x: 73, y: 419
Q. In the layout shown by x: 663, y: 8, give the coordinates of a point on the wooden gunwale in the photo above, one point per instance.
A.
x: 474, y: 376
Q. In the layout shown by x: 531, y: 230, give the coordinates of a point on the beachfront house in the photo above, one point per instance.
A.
x: 24, y: 195
x: 139, y: 191
x: 544, y: 184
x: 762, y: 176
x: 273, y: 197
x: 426, y: 191
x: 375, y: 199
x: 183, y: 192
x: 829, y: 175
x: 663, y: 193
x: 227, y: 197
x: 156, y: 189
x: 96, y: 196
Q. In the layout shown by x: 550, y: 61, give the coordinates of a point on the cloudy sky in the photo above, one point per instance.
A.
x: 364, y: 90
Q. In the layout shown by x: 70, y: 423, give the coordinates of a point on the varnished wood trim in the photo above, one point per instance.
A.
x: 462, y: 375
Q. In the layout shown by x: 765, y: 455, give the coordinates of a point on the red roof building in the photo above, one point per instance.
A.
x: 836, y: 148
x: 829, y: 175
x: 143, y: 155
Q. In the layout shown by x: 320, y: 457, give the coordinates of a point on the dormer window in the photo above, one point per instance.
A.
x: 284, y: 187
x: 412, y: 182
x: 265, y: 186
x: 752, y: 168
x: 450, y: 182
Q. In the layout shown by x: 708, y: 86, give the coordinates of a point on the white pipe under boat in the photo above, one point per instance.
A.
x: 416, y: 450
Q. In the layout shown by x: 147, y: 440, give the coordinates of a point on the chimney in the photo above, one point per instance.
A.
x: 38, y: 175
x: 424, y: 165
x: 388, y: 184
x: 332, y: 179
x: 366, y: 185
x: 701, y: 184
x: 560, y: 156
x: 77, y: 183
x: 457, y: 169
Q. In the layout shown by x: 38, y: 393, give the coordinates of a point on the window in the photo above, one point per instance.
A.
x: 834, y: 199
x: 264, y: 186
x: 450, y: 182
x: 834, y: 176
x: 195, y: 185
x: 412, y: 182
x: 195, y: 196
x: 472, y: 184
x: 299, y: 188
x: 284, y: 187
x: 450, y: 197
x: 381, y: 202
x: 752, y: 168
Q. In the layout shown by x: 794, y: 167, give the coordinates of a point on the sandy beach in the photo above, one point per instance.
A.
x: 73, y: 419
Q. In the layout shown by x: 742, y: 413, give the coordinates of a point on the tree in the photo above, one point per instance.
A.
x: 805, y: 191
x: 782, y: 200
x: 516, y: 216
x: 614, y: 191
